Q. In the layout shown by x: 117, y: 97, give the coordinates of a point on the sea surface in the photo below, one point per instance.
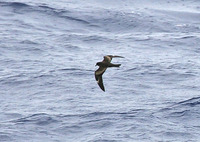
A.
x: 48, y: 52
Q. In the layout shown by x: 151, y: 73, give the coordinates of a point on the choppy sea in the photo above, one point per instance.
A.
x: 48, y: 52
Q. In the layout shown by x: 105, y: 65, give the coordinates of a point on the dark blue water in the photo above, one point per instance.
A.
x: 48, y: 52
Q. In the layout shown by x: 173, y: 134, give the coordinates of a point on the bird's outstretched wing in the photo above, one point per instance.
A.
x: 99, y: 72
x: 98, y: 76
x: 108, y: 58
x: 100, y: 82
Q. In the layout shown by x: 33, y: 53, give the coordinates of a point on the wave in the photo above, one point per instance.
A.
x: 99, y: 114
x: 45, y: 118
x: 76, y: 71
x: 177, y: 71
x: 24, y: 5
x: 187, y: 109
x: 14, y: 4
x: 16, y: 79
x: 190, y: 102
x: 38, y: 119
x: 71, y: 123
x: 104, y: 19
x: 113, y: 20
x: 62, y: 13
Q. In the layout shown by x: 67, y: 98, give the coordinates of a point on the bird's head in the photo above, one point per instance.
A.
x: 98, y: 64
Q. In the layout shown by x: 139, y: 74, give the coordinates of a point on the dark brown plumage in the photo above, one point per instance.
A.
x: 102, y: 68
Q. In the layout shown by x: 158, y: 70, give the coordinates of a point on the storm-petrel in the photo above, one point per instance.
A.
x: 102, y: 68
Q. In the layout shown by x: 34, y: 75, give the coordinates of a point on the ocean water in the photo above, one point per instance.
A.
x: 48, y: 52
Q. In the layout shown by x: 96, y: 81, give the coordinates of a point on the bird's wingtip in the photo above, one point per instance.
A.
x: 118, y: 56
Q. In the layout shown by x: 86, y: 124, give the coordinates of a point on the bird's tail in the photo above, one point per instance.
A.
x: 114, y: 65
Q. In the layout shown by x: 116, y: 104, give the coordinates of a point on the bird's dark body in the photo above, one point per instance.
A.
x: 105, y: 64
x: 102, y: 68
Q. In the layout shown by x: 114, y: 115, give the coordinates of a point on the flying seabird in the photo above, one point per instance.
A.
x: 102, y: 68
